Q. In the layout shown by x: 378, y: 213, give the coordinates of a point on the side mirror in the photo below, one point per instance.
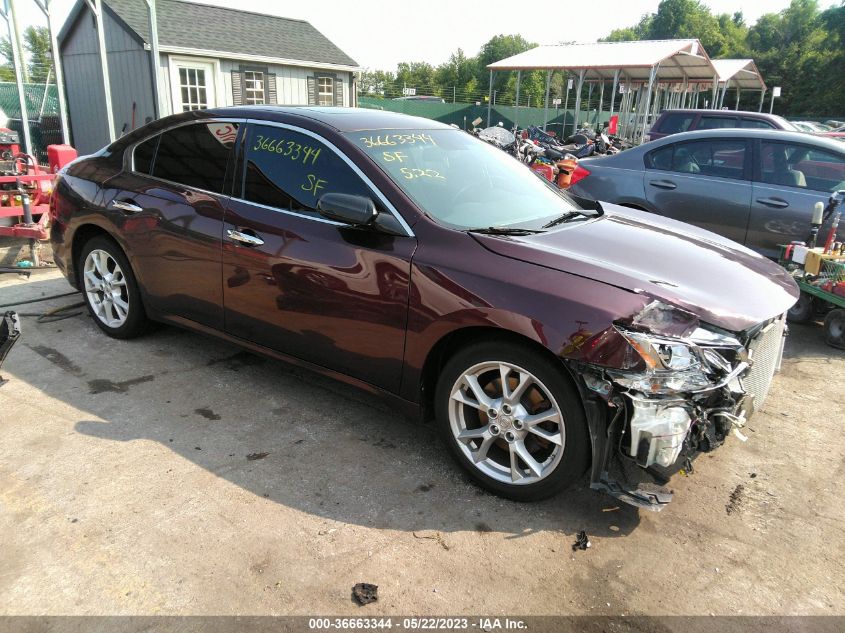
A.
x: 346, y: 208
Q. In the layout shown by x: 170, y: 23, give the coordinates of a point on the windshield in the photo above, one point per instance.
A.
x: 463, y: 182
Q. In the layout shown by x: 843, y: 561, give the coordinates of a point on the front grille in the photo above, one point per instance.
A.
x: 765, y: 351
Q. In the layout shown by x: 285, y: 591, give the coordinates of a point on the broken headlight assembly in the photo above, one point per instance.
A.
x: 670, y: 353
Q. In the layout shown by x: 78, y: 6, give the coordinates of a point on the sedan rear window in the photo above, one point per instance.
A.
x: 675, y: 122
x: 144, y: 154
x: 758, y: 124
x: 723, y: 158
x: 196, y: 155
x: 708, y: 122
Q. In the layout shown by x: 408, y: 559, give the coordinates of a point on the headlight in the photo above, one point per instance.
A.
x: 660, y: 354
x: 671, y: 365
x: 669, y: 352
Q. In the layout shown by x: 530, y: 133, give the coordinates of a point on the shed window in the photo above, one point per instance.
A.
x: 192, y: 82
x: 325, y: 91
x: 254, y: 87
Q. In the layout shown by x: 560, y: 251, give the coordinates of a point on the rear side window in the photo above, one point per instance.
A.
x: 757, y: 124
x: 676, y: 122
x: 801, y: 166
x: 289, y: 170
x: 144, y: 154
x: 724, y: 158
x: 709, y: 122
x: 196, y: 155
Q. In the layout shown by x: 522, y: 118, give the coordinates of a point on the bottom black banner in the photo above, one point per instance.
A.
x: 482, y: 623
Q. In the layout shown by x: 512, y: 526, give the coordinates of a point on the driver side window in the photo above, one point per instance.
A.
x: 289, y: 170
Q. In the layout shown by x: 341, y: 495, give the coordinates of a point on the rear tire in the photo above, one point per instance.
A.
x: 110, y: 289
x: 512, y: 419
x: 834, y: 328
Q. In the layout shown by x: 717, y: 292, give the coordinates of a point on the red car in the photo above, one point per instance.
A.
x: 417, y: 262
x: 838, y: 132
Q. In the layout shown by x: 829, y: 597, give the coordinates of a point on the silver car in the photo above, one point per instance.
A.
x: 756, y: 187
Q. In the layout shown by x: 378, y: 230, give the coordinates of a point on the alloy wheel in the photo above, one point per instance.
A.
x: 506, y: 423
x: 105, y: 287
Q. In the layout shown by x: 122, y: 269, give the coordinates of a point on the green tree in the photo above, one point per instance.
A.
x: 419, y: 75
x: 37, y: 53
x: 37, y: 44
x: 800, y: 48
x: 377, y: 83
x: 458, y: 74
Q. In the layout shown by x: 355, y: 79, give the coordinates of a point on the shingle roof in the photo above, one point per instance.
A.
x: 211, y: 28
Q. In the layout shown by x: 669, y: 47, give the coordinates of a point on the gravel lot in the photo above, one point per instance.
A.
x: 175, y: 474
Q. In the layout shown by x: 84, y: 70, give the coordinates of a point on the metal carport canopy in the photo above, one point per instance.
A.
x: 679, y: 60
x: 742, y: 73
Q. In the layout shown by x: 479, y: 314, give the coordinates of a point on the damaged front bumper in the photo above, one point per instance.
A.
x: 681, y: 395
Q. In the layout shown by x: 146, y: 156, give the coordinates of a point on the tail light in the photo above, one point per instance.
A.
x: 579, y: 174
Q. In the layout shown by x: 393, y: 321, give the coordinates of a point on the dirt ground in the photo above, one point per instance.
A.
x: 175, y: 474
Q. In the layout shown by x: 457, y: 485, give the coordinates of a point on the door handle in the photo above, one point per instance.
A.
x: 244, y: 238
x: 778, y: 203
x: 663, y: 184
x: 126, y: 205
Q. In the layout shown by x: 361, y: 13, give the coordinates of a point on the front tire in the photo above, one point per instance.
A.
x: 803, y: 310
x: 110, y: 289
x: 834, y: 328
x: 513, y: 420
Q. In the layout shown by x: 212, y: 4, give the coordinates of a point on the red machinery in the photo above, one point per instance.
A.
x: 25, y: 187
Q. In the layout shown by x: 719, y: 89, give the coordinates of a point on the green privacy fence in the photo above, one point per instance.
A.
x: 463, y: 114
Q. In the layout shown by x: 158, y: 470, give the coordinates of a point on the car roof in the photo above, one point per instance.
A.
x: 726, y: 113
x: 770, y: 135
x: 341, y: 119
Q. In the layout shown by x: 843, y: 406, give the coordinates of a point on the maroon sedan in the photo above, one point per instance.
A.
x: 417, y: 262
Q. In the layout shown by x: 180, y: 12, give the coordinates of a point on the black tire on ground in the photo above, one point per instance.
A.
x: 803, y: 310
x: 576, y: 450
x: 834, y: 328
x: 136, y: 322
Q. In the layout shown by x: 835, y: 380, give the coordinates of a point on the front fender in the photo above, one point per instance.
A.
x: 559, y: 311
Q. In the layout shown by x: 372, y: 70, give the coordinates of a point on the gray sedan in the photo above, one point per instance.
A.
x: 756, y: 187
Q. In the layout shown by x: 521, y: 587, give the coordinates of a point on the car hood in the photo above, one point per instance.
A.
x: 720, y: 281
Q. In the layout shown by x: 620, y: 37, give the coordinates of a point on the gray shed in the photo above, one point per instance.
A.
x: 208, y: 56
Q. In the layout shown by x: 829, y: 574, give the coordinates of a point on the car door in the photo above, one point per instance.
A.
x: 789, y: 178
x: 170, y: 201
x: 312, y: 288
x: 702, y: 182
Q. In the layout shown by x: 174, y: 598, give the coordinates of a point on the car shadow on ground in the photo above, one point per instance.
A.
x: 281, y: 433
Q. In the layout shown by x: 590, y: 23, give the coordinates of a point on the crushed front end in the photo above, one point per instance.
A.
x: 661, y: 387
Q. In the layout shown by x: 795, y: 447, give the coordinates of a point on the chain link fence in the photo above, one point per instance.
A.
x: 463, y: 114
x: 42, y: 108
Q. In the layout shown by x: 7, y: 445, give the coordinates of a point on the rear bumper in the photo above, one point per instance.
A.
x: 62, y: 251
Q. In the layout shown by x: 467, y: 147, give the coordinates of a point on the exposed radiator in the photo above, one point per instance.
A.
x: 765, y: 350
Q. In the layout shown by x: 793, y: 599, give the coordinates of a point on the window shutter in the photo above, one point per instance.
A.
x: 237, y: 88
x: 312, y: 91
x: 271, y: 89
x: 338, y: 92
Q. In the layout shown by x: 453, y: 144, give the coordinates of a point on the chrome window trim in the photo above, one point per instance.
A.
x: 293, y: 213
x: 382, y: 198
